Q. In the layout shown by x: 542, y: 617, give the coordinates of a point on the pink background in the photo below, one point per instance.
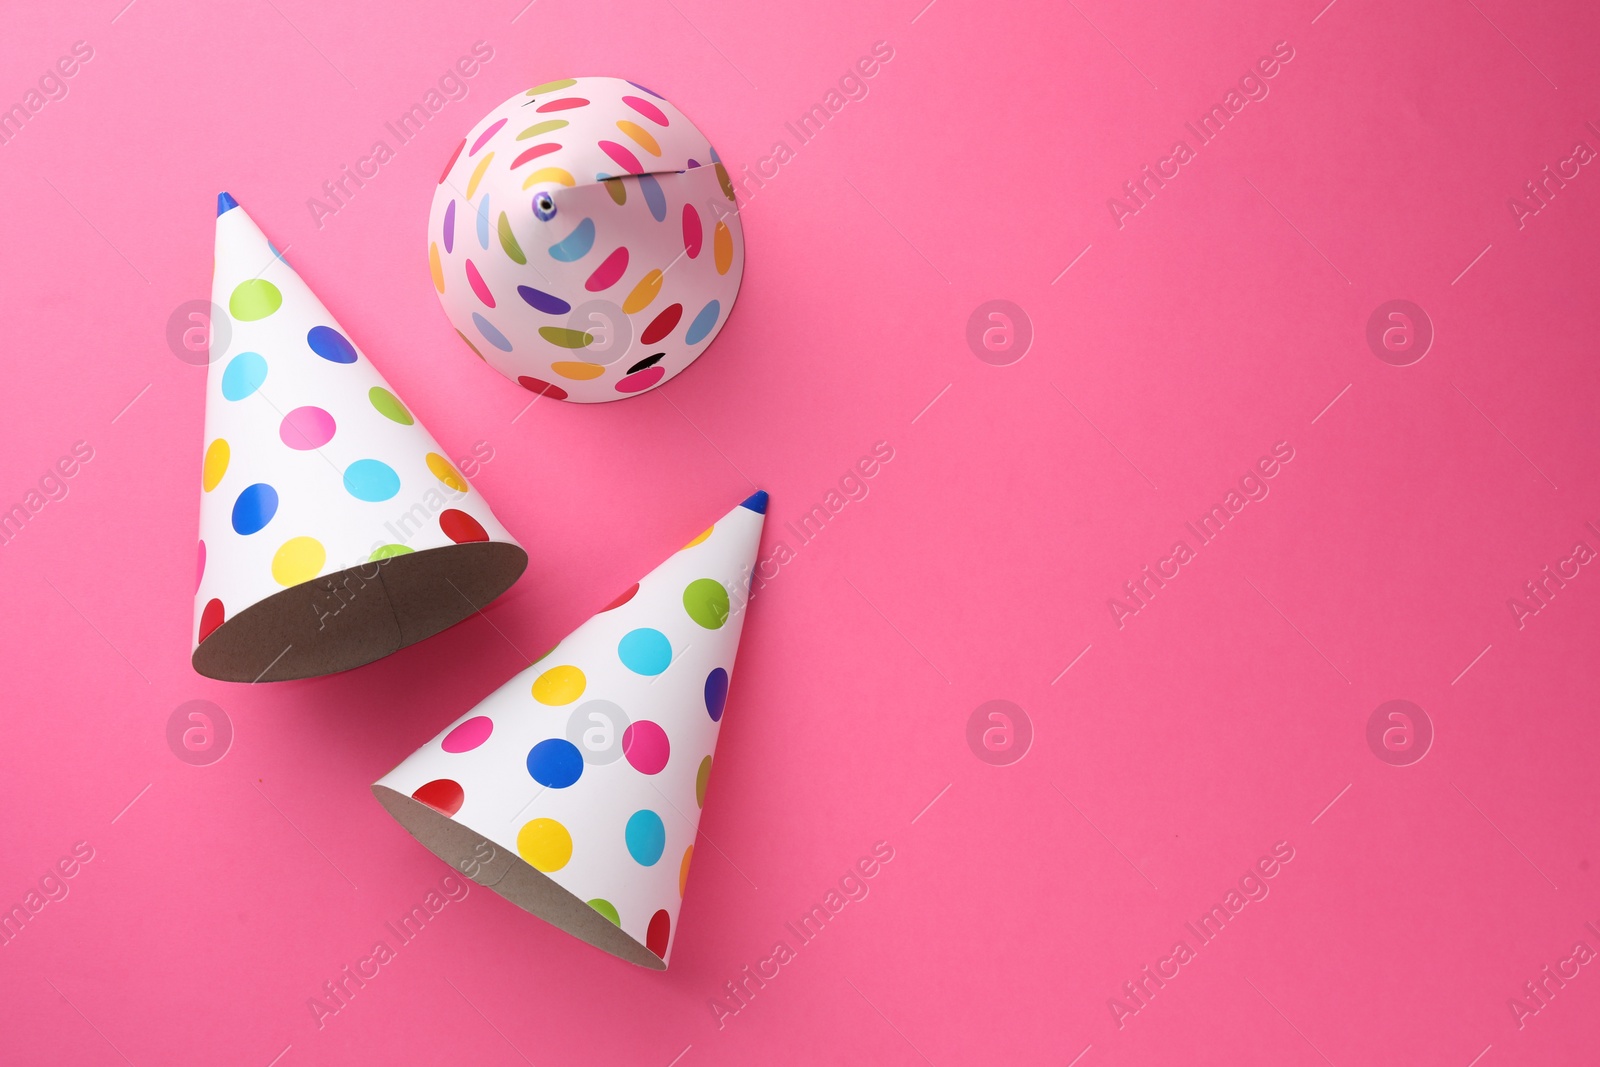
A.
x: 1227, y: 715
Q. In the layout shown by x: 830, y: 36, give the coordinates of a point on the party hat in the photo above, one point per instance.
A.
x: 575, y: 790
x: 585, y: 241
x: 333, y: 529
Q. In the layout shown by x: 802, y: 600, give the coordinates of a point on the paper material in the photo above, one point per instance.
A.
x: 577, y: 287
x: 333, y: 528
x: 575, y: 789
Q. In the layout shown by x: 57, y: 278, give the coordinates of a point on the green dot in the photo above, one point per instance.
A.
x: 701, y: 777
x: 254, y: 299
x: 560, y: 335
x: 550, y: 87
x: 388, y: 552
x: 508, y: 240
x: 389, y: 405
x: 606, y: 908
x: 706, y: 602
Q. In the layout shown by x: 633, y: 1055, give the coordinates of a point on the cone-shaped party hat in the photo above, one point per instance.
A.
x: 333, y: 529
x: 575, y: 789
x: 585, y: 240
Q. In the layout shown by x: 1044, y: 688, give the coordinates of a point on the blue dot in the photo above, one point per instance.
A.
x: 645, y: 651
x: 254, y: 508
x: 243, y: 375
x: 575, y: 245
x: 331, y: 345
x: 483, y: 221
x: 492, y: 335
x: 653, y: 196
x: 647, y: 837
x: 716, y: 693
x: 702, y: 323
x: 371, y: 479
x: 556, y: 763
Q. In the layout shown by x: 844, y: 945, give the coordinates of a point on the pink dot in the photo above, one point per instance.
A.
x: 623, y: 158
x: 306, y: 428
x: 469, y: 735
x: 640, y: 380
x: 478, y: 286
x: 200, y: 566
x: 645, y: 745
x: 647, y: 109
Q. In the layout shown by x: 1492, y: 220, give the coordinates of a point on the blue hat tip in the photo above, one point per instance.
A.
x: 225, y: 203
x: 756, y: 502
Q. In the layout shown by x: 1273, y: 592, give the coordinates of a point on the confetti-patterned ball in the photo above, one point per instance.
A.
x: 585, y: 241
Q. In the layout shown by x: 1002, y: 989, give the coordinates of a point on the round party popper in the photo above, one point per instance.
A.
x: 333, y: 528
x: 585, y: 241
x: 575, y: 790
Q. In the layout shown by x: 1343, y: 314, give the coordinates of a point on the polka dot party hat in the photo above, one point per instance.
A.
x: 574, y: 791
x: 585, y: 241
x: 333, y: 529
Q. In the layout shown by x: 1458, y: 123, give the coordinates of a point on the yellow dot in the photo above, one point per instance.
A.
x: 447, y: 474
x: 703, y: 535
x: 722, y: 246
x: 559, y: 685
x: 640, y: 135
x: 548, y: 174
x: 216, y: 464
x: 297, y: 560
x: 643, y: 293
x: 545, y: 844
x: 578, y: 371
x: 477, y: 175
x: 683, y: 870
x: 435, y: 267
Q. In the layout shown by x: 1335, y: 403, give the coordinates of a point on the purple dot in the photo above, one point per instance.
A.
x: 716, y: 693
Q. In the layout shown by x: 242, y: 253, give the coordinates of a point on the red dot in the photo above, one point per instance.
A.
x: 442, y: 795
x: 534, y: 153
x: 627, y: 595
x: 461, y: 527
x: 607, y: 273
x: 644, y: 379
x: 659, y: 934
x: 210, y: 618
x: 453, y: 157
x: 661, y: 325
x: 554, y: 392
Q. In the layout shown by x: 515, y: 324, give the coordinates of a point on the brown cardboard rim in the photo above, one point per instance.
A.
x: 512, y: 877
x: 349, y: 618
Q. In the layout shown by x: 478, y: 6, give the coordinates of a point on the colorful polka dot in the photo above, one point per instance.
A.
x: 683, y: 870
x: 646, y: 837
x: 626, y: 595
x: 722, y: 247
x: 565, y: 338
x: 647, y: 290
x: 449, y: 232
x: 654, y: 198
x: 706, y: 601
x: 645, y: 745
x: 435, y: 267
x: 645, y: 651
x: 254, y: 508
x: 702, y: 778
x: 662, y: 325
x: 254, y: 299
x: 575, y: 245
x: 483, y: 223
x: 578, y: 372
x: 635, y: 383
x: 646, y: 108
x: 545, y: 844
x: 483, y: 138
x: 559, y: 685
x: 693, y: 235
x: 477, y: 175
x: 442, y: 795
x: 618, y: 190
x: 461, y: 527
x: 608, y: 272
x: 716, y: 693
x: 622, y: 157
x: 331, y: 345
x: 550, y: 87
x: 211, y: 617
x: 724, y: 180
x: 479, y: 287
x: 469, y: 735
x: 555, y: 763
x: 508, y: 241
x: 534, y: 153
x: 297, y: 560
x: 700, y: 537
x: 306, y: 428
x: 243, y: 375
x: 389, y: 406
x: 383, y: 552
x: 490, y: 334
x: 606, y: 908
x: 444, y: 471
x: 539, y: 129
x: 216, y: 464
x: 566, y: 104
x: 371, y: 480
x: 542, y: 301
x: 703, y: 323
x: 543, y: 388
x: 659, y: 934
x: 453, y: 157
x: 640, y: 136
